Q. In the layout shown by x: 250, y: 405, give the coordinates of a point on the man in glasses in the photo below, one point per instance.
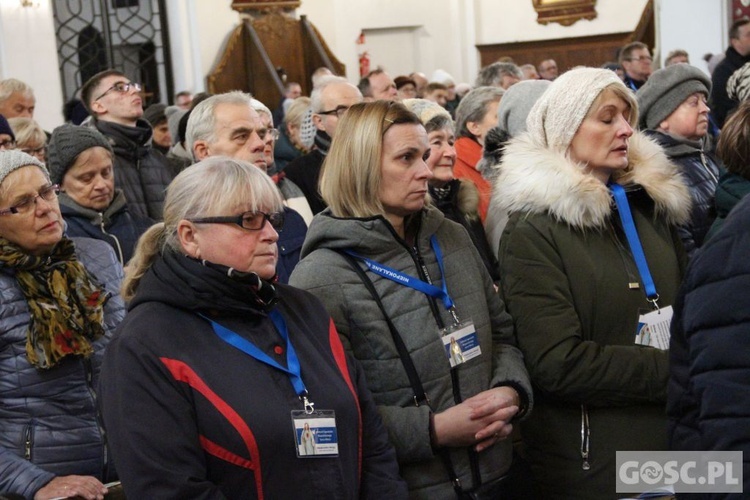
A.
x: 228, y: 125
x: 635, y: 59
x: 116, y: 105
x: 330, y: 100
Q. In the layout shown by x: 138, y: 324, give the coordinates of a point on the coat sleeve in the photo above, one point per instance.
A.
x: 141, y: 403
x: 563, y: 364
x: 380, y: 475
x: 20, y: 476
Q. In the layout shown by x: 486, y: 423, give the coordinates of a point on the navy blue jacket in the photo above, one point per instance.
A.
x: 291, y: 237
x: 708, y: 402
x: 701, y: 172
x: 48, y: 421
x: 116, y: 225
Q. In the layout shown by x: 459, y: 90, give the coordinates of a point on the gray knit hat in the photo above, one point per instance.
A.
x: 556, y: 116
x: 738, y: 85
x: 67, y: 142
x: 155, y: 113
x: 14, y: 159
x: 666, y: 89
x: 517, y: 102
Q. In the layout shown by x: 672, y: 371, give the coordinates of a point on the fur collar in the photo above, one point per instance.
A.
x: 536, y: 180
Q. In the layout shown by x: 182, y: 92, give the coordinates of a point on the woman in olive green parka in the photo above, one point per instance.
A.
x: 572, y: 286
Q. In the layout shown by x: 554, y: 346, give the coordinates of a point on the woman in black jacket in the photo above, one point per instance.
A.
x: 216, y: 372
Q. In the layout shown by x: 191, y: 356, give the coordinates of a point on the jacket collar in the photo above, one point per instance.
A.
x: 534, y: 179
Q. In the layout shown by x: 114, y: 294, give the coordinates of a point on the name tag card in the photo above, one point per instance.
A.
x: 461, y: 343
x: 653, y: 328
x: 315, y: 434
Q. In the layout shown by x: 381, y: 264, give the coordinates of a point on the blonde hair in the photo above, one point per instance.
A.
x: 350, y: 179
x: 210, y: 187
x: 27, y: 132
x: 296, y: 111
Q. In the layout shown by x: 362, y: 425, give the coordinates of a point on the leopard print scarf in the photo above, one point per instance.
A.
x: 65, y: 302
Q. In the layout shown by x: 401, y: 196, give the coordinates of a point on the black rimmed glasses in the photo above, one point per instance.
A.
x: 121, y: 87
x: 338, y: 111
x: 252, y: 221
x: 27, y: 203
x: 6, y: 144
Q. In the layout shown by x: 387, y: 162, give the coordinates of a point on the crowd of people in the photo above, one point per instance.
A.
x: 400, y: 288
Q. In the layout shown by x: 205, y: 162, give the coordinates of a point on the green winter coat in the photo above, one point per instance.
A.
x: 566, y: 271
x: 364, y: 332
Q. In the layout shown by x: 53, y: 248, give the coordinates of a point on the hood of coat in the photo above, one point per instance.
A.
x: 367, y: 236
x: 535, y: 179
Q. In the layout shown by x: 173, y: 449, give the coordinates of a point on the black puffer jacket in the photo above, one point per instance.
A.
x: 709, y: 384
x: 721, y: 104
x: 140, y: 171
x: 48, y: 419
x: 701, y: 172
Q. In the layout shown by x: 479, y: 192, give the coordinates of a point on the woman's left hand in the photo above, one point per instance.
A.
x: 491, y: 406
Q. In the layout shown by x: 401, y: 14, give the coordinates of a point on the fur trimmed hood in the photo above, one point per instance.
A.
x: 535, y: 179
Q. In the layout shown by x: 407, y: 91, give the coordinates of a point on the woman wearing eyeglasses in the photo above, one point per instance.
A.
x: 216, y: 372
x: 59, y: 304
x: 30, y: 137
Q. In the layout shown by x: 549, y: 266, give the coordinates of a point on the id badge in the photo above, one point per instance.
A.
x: 653, y: 328
x: 315, y: 433
x: 461, y: 342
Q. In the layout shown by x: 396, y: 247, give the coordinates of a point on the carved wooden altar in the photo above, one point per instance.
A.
x: 269, y: 43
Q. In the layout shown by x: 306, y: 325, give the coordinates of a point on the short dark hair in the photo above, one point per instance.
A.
x: 433, y: 86
x: 734, y: 142
x: 734, y: 30
x: 628, y: 50
x: 88, y: 88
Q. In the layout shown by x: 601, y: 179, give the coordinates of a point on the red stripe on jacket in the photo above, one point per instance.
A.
x: 340, y: 356
x: 183, y: 373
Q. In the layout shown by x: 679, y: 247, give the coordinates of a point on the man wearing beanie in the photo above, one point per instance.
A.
x: 81, y: 162
x: 7, y: 137
x: 140, y: 171
x: 675, y: 114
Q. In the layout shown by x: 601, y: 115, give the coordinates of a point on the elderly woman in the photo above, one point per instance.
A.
x: 215, y: 371
x: 674, y: 110
x: 81, y: 162
x: 590, y: 251
x: 476, y: 115
x: 59, y: 304
x: 291, y: 144
x: 30, y: 137
x: 402, y: 283
x: 458, y: 199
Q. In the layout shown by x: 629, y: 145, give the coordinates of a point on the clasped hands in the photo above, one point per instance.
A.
x: 482, y: 420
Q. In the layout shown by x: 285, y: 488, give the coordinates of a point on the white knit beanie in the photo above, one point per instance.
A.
x: 425, y: 110
x: 556, y: 116
x: 14, y: 159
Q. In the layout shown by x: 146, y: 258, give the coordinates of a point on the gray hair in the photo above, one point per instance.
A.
x: 202, y: 122
x: 261, y: 108
x: 27, y: 131
x: 473, y: 107
x: 11, y: 86
x: 493, y: 74
x: 210, y: 187
x: 316, y: 98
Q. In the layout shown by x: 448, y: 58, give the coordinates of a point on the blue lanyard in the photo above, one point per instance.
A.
x: 410, y: 281
x: 293, y: 369
x: 634, y: 242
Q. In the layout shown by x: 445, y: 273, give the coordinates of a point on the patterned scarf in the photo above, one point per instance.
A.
x: 65, y: 302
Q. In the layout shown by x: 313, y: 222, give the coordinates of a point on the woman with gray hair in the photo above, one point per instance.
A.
x: 476, y: 115
x: 590, y: 254
x: 30, y: 137
x: 216, y: 372
x: 458, y: 199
